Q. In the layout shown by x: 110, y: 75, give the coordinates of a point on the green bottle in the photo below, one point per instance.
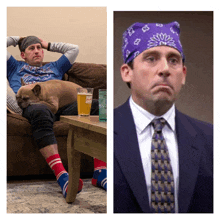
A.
x: 102, y: 105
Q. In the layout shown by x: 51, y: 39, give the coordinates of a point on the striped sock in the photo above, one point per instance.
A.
x: 63, y: 182
x: 99, y: 164
x: 56, y: 165
x: 61, y: 174
x: 100, y: 174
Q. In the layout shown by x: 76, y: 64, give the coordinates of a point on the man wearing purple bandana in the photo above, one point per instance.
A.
x: 178, y: 178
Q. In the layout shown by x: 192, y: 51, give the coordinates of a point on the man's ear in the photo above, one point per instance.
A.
x: 37, y: 90
x: 184, y: 75
x: 23, y: 55
x: 126, y: 73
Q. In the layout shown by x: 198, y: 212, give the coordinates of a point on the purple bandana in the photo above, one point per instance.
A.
x: 139, y: 37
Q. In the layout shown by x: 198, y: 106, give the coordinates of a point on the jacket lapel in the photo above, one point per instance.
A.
x: 189, y: 155
x: 129, y: 158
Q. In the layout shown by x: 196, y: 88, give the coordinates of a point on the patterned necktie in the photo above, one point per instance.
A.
x: 162, y: 182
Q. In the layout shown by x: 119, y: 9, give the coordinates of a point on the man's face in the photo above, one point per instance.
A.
x: 157, y: 76
x: 33, y: 55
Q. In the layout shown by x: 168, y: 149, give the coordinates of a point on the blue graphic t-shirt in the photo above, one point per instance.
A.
x: 32, y: 74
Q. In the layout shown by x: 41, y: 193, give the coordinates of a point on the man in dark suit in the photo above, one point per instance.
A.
x: 167, y: 170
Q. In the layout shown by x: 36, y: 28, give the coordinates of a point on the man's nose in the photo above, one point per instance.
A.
x: 164, y: 68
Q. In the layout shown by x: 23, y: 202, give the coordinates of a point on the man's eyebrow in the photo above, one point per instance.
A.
x: 176, y: 54
x: 152, y: 52
x: 155, y: 52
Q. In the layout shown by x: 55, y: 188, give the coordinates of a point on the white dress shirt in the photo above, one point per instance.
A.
x: 145, y: 130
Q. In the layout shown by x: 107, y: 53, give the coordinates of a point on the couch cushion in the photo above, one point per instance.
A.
x: 89, y: 75
x: 19, y: 126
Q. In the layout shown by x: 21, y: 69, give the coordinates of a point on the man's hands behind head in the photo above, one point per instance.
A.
x: 44, y: 44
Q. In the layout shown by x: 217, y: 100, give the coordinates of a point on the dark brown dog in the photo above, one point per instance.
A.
x: 53, y: 93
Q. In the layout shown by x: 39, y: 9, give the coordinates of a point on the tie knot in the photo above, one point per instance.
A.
x: 158, y: 124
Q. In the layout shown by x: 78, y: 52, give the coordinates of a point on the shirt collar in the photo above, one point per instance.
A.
x: 143, y: 118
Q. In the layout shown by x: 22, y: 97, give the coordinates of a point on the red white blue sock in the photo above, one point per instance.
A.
x: 100, y: 174
x: 61, y: 174
x: 63, y: 182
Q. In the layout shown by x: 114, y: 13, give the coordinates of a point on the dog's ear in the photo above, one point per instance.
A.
x: 37, y: 90
x: 22, y: 82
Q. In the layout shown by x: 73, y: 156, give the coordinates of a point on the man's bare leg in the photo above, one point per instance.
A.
x: 49, y: 150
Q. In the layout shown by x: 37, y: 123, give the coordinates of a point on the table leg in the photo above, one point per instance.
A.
x: 73, y: 157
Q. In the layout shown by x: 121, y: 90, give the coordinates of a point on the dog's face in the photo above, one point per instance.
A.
x: 27, y: 95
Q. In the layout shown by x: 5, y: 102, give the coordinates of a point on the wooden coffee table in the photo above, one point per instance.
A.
x: 86, y: 135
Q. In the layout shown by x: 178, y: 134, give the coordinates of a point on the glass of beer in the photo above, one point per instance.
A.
x: 84, y: 101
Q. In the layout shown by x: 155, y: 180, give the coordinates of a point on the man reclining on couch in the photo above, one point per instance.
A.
x: 39, y: 116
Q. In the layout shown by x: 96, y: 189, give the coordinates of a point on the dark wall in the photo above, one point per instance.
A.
x: 196, y: 98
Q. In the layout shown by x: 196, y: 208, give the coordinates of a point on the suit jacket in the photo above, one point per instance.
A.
x: 195, y: 148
